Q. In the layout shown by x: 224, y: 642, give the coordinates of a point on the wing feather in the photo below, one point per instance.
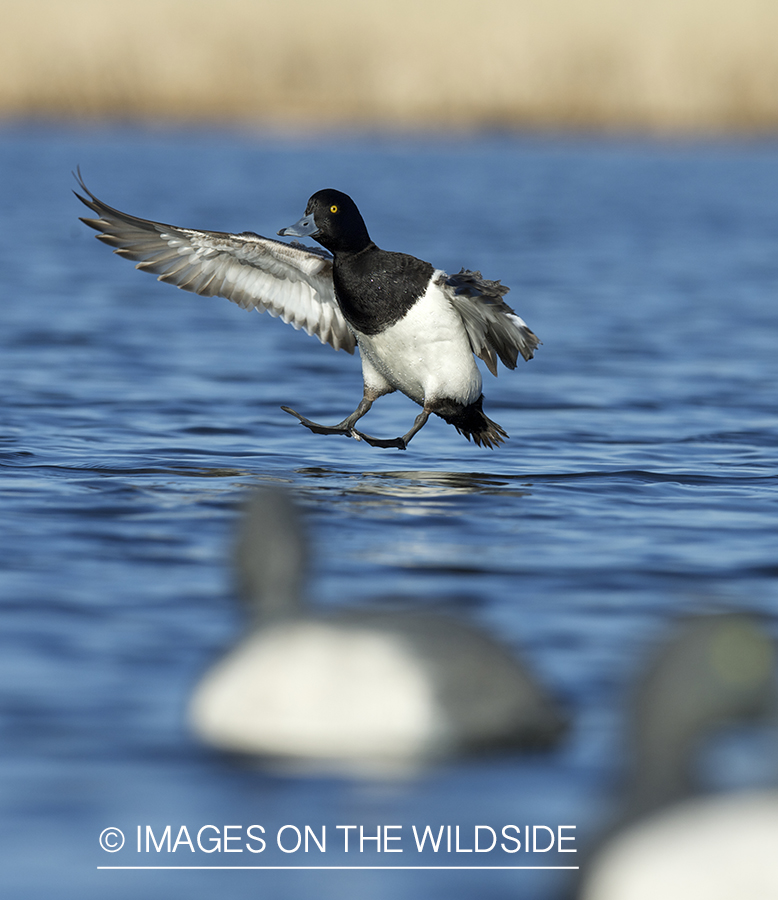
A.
x: 291, y: 282
x: 493, y: 328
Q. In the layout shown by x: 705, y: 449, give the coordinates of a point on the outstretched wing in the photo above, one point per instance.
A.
x: 287, y: 280
x: 493, y: 328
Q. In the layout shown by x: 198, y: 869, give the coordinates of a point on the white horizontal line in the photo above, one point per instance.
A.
x: 339, y: 868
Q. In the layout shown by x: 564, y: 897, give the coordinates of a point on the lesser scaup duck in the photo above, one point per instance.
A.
x: 416, y: 327
x: 718, y: 670
x: 359, y: 692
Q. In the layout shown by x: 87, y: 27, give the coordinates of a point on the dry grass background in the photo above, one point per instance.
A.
x: 657, y: 65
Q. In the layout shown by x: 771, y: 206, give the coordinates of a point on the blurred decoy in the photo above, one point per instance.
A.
x: 718, y: 670
x: 372, y: 692
x: 416, y: 327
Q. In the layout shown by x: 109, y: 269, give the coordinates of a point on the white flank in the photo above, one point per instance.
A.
x: 426, y: 355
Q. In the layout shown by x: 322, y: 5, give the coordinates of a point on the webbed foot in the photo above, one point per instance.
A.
x: 346, y: 427
x: 396, y: 443
x: 321, y: 429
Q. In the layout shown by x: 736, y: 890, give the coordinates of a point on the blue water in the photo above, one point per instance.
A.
x: 639, y: 484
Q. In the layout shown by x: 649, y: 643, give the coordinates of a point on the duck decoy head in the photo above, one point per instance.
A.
x: 271, y: 555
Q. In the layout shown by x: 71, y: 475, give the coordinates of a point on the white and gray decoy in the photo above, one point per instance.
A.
x: 416, y: 327
x: 719, y: 670
x: 361, y: 692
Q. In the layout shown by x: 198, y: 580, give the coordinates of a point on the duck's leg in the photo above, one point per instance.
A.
x: 399, y: 443
x: 345, y: 427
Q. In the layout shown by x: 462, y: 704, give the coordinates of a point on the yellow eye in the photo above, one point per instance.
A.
x: 333, y: 209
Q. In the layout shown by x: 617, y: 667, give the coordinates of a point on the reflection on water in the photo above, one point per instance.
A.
x: 410, y: 481
x: 413, y: 491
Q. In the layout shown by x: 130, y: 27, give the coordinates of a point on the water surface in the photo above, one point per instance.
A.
x: 639, y: 484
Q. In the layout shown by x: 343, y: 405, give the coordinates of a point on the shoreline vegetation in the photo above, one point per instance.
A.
x: 656, y: 66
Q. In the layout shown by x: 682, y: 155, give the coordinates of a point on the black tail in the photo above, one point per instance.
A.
x: 472, y: 422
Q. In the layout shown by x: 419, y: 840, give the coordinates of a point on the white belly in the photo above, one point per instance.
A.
x: 426, y: 355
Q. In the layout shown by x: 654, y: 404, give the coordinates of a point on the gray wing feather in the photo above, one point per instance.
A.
x: 493, y: 328
x: 287, y: 280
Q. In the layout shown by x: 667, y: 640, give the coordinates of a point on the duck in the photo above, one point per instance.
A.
x: 362, y: 692
x: 672, y: 841
x: 418, y: 330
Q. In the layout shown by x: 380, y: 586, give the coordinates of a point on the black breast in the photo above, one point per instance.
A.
x: 376, y: 288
